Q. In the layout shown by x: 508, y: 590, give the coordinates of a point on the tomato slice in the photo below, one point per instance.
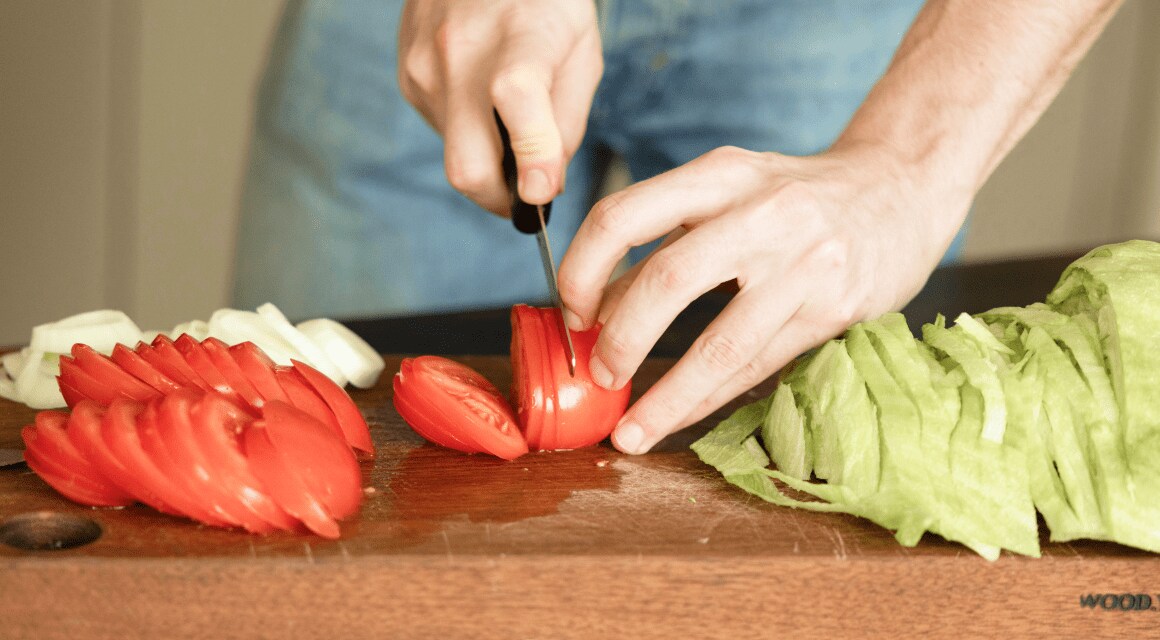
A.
x: 575, y: 410
x: 81, y: 384
x: 149, y: 430
x: 119, y: 430
x: 259, y: 370
x: 528, y: 371
x: 175, y: 432
x: 320, y: 458
x: 350, y: 420
x: 138, y: 367
x: 168, y: 360
x: 219, y: 355
x: 50, y: 453
x: 84, y: 431
x: 108, y: 373
x: 217, y: 423
x: 426, y: 420
x: 303, y: 397
x: 449, y: 397
x: 198, y: 359
x: 285, y: 487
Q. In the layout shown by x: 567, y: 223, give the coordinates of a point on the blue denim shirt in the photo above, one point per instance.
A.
x: 347, y: 211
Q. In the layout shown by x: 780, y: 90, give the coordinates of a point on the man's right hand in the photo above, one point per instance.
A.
x: 537, y: 62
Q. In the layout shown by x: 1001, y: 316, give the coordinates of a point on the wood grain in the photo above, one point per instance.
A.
x: 578, y: 544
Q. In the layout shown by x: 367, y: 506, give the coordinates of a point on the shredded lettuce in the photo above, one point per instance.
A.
x: 969, y: 432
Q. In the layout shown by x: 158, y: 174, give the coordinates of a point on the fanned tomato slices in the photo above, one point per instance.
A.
x: 454, y: 406
x: 216, y: 433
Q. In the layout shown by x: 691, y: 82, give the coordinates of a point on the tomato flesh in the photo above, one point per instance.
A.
x: 453, y: 406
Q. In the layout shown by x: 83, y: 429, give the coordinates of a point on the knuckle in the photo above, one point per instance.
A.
x: 609, y: 217
x: 724, y: 352
x: 467, y: 177
x: 670, y: 272
x: 446, y: 39
x: 516, y: 84
x: 614, y: 348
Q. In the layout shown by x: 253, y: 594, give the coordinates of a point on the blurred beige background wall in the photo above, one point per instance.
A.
x: 124, y: 126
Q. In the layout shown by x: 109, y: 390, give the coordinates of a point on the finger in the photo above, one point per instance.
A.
x: 798, y: 336
x: 472, y: 157
x: 668, y: 282
x: 616, y: 289
x: 734, y: 341
x: 574, y: 89
x: 521, y: 93
x: 636, y: 216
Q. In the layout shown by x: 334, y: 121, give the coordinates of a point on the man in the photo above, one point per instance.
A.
x: 777, y: 144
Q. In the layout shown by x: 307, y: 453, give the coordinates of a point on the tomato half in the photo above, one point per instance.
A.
x: 575, y: 411
x: 455, y: 406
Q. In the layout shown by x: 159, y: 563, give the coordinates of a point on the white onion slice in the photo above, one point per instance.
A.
x: 361, y: 364
x: 234, y: 326
x: 13, y: 363
x: 36, y: 386
x: 316, y: 355
x: 197, y: 329
x: 101, y: 330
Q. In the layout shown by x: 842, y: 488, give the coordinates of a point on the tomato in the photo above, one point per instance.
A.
x: 223, y: 361
x: 456, y: 407
x: 137, y: 366
x: 168, y: 360
x: 351, y: 421
x: 53, y: 457
x: 575, y: 411
x: 259, y: 370
x: 111, y: 374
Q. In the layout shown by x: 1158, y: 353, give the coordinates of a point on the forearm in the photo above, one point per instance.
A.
x: 968, y: 81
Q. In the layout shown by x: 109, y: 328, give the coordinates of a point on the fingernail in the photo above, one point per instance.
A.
x: 573, y: 321
x: 629, y: 438
x: 536, y: 185
x: 600, y: 373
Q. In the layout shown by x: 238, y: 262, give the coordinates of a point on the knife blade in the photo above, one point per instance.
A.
x: 10, y: 457
x: 533, y: 219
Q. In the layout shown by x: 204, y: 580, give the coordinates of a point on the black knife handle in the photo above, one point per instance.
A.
x: 524, y: 215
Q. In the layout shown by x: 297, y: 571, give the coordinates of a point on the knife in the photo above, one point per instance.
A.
x: 10, y: 457
x: 530, y: 218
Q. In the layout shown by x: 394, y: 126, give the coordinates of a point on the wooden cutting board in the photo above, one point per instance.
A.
x: 580, y: 544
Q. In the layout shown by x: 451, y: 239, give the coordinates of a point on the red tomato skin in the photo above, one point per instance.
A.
x: 303, y: 397
x: 165, y: 356
x: 322, y: 459
x: 175, y: 432
x: 217, y: 423
x: 577, y: 412
x: 82, y: 384
x: 259, y: 369
x: 448, y: 398
x: 109, y: 373
x: 84, y: 431
x: 198, y: 359
x: 351, y: 421
x: 138, y: 367
x: 285, y: 487
x: 53, y: 457
x: 219, y: 355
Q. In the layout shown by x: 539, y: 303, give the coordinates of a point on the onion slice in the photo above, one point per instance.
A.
x: 359, y: 362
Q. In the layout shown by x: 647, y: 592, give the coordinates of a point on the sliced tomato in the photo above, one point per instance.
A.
x: 217, y: 423
x: 149, y: 430
x: 84, y: 431
x: 110, y: 374
x: 286, y: 488
x: 321, y: 458
x: 423, y: 416
x: 176, y: 433
x: 198, y: 359
x: 303, y: 397
x: 577, y: 412
x: 120, y: 435
x: 165, y: 356
x: 350, y: 419
x: 219, y: 355
x: 447, y: 397
x: 81, y: 384
x: 259, y: 370
x: 50, y: 453
x: 534, y: 406
x: 138, y: 367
